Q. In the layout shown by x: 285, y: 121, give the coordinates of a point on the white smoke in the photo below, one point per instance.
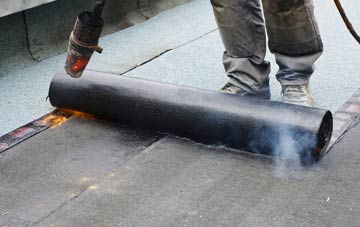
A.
x: 291, y: 152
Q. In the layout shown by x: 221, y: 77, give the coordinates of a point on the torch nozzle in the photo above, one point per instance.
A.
x: 84, y: 40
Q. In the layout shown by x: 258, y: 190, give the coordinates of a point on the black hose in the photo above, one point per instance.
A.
x: 347, y: 21
x: 96, y: 13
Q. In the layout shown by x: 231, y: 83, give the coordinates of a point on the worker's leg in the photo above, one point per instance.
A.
x: 242, y: 30
x: 294, y: 38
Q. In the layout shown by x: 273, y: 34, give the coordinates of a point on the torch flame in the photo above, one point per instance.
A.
x: 82, y: 115
x: 53, y: 120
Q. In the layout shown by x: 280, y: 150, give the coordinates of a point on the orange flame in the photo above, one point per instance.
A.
x: 53, y: 120
x: 82, y: 115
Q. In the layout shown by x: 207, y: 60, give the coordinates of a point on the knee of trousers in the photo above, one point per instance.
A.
x: 235, y: 27
x: 292, y: 27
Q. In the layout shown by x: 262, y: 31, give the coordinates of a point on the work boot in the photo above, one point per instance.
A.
x: 230, y: 88
x: 298, y: 95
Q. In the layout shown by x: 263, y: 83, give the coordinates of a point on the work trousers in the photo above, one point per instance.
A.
x: 293, y: 35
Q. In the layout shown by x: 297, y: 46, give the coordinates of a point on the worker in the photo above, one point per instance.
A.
x: 294, y: 39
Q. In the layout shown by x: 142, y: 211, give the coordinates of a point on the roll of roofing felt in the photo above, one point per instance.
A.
x: 210, y: 117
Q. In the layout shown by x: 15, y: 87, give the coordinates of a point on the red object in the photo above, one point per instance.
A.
x: 80, y: 64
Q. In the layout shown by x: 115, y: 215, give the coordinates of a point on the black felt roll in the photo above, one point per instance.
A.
x: 210, y: 117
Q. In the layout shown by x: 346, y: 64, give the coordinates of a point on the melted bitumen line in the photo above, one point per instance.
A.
x: 346, y: 118
x: 27, y: 131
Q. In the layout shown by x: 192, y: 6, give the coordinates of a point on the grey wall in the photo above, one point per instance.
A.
x: 13, y: 43
x: 8, y: 7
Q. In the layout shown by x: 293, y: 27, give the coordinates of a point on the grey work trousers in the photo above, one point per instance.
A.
x: 293, y: 37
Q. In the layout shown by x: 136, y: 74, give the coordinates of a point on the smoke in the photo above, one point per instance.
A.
x: 286, y: 157
x: 288, y: 142
x: 292, y: 152
x: 291, y: 147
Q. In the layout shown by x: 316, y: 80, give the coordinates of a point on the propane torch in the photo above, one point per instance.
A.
x: 84, y: 40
